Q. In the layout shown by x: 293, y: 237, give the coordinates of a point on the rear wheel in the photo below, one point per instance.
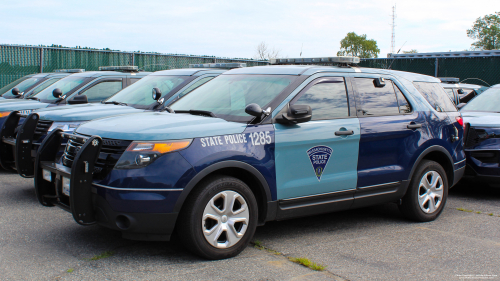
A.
x: 219, y: 218
x: 426, y: 196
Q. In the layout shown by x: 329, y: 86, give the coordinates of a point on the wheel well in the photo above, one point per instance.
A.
x: 249, y: 179
x: 444, y: 161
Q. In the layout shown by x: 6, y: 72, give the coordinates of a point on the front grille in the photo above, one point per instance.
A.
x: 42, y: 128
x: 111, y: 151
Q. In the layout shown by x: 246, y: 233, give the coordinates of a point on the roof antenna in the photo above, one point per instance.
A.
x: 397, y: 53
x: 301, y: 50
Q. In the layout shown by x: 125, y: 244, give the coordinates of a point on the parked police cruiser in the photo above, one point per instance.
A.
x: 258, y: 144
x: 19, y: 149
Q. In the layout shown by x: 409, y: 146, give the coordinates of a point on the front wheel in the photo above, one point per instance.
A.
x: 426, y: 196
x: 219, y: 218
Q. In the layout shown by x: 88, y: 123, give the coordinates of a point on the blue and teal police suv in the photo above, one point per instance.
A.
x: 20, y: 146
x: 258, y: 144
x: 482, y: 140
x: 30, y: 85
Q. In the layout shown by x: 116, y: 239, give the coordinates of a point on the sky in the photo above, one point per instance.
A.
x: 235, y: 28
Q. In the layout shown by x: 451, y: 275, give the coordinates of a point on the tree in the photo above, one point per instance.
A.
x: 262, y: 52
x: 487, y: 32
x: 412, y: 51
x: 359, y: 46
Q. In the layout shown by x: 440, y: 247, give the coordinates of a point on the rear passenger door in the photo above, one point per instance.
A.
x: 311, y: 158
x: 390, y: 134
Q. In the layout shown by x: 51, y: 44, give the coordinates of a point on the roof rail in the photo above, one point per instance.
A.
x: 343, y: 61
x: 122, y: 68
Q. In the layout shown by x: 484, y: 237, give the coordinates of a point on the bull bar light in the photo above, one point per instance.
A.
x: 348, y: 60
x: 218, y: 65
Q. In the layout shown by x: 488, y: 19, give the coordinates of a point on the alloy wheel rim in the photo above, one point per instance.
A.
x: 225, y: 219
x: 430, y: 192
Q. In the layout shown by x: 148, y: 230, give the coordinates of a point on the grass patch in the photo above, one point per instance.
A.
x: 478, y: 212
x: 70, y: 270
x: 258, y: 244
x: 465, y: 210
x: 104, y: 255
x: 308, y: 263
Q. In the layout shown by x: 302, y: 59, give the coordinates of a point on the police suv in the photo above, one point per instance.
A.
x: 19, y: 146
x: 258, y: 144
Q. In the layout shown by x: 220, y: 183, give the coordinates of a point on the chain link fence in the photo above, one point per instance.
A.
x: 474, y: 70
x: 18, y: 61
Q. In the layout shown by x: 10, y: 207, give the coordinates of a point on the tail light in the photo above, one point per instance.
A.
x: 460, y: 121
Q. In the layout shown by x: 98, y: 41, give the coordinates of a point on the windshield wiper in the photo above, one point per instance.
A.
x: 116, y: 103
x: 197, y: 112
x: 33, y: 98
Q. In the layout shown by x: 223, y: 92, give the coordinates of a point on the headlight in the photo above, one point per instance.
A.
x: 5, y: 114
x: 142, y: 153
x: 67, y: 127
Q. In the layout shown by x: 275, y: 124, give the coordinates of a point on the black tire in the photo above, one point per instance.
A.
x: 190, y: 227
x: 410, y: 205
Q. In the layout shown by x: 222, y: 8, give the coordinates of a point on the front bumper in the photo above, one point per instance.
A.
x: 133, y: 211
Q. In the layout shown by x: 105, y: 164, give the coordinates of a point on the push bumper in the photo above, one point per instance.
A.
x: 73, y: 190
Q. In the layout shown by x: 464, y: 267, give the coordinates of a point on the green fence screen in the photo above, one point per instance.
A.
x: 18, y: 61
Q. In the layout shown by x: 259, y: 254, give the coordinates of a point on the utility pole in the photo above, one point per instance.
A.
x: 393, y: 38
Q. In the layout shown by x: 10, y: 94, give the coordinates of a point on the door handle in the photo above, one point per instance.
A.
x: 414, y: 126
x: 344, y: 133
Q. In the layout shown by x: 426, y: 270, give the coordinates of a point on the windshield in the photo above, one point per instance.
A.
x: 38, y: 88
x: 11, y: 85
x: 489, y: 100
x: 227, y: 95
x: 140, y: 94
x: 22, y: 86
x: 66, y: 85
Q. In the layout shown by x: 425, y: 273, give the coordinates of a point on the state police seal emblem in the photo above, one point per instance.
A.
x: 319, y: 156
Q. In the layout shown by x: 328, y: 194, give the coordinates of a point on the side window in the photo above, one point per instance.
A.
x: 102, y: 90
x: 133, y: 80
x: 43, y: 85
x: 450, y: 93
x: 404, y: 105
x: 195, y: 85
x: 327, y: 99
x: 436, y: 96
x: 376, y: 100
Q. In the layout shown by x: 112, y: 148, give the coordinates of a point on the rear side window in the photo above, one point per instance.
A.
x: 327, y: 99
x: 376, y: 100
x: 436, y: 96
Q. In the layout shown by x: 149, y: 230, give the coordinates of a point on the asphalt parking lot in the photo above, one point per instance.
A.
x: 376, y: 243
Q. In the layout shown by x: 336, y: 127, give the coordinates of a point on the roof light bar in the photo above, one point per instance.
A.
x: 123, y: 68
x: 321, y: 61
x: 218, y: 65
x: 75, y: 70
x: 450, y: 80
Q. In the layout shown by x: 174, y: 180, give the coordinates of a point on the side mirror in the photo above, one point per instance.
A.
x: 460, y: 92
x: 460, y: 105
x: 16, y: 92
x: 296, y: 114
x: 254, y: 110
x: 78, y: 100
x: 156, y: 93
x: 379, y: 82
x: 57, y: 93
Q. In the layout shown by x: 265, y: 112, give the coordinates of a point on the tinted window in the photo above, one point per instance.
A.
x: 436, y: 96
x: 23, y: 86
x: 11, y: 85
x: 102, y: 90
x: 404, y: 105
x: 376, y: 100
x: 195, y: 85
x: 327, y: 100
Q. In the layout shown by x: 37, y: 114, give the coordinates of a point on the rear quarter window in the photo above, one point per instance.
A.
x: 436, y: 96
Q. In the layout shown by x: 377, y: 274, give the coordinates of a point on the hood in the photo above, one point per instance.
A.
x: 22, y: 105
x: 150, y: 126
x: 481, y: 119
x: 84, y: 112
x: 4, y: 100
